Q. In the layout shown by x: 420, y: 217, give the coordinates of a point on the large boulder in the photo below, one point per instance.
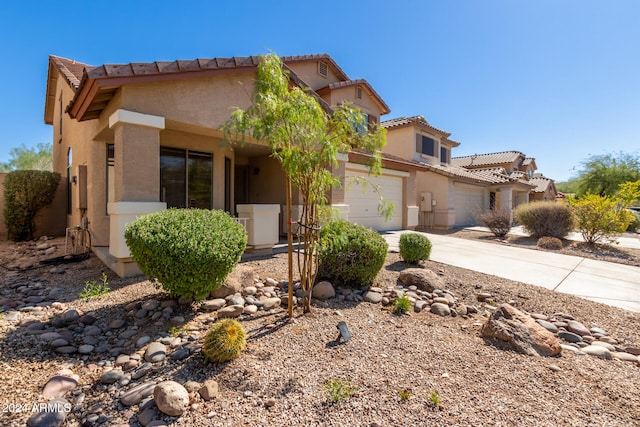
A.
x: 171, y: 398
x: 520, y: 332
x: 241, y: 277
x: 422, y: 278
x: 323, y: 290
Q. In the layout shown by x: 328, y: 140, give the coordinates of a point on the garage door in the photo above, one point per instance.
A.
x: 467, y: 201
x: 363, y: 206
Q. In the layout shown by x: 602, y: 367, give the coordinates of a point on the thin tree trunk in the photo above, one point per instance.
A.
x: 290, y: 248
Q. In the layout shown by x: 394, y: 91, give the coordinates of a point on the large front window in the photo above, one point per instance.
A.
x: 186, y: 178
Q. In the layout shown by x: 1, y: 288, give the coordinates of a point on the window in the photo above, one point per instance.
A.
x: 444, y: 155
x: 227, y: 184
x: 186, y: 178
x: 425, y: 145
x: 492, y: 200
x: 110, y: 190
x: 60, y: 113
x: 69, y: 179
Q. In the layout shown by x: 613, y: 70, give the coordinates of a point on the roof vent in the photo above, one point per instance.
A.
x: 359, y: 92
x: 323, y: 69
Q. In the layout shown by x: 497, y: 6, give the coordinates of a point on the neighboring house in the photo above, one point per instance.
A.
x: 138, y: 138
x: 449, y: 190
x: 545, y: 190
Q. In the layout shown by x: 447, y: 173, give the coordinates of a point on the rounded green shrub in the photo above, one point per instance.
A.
x: 541, y: 219
x: 25, y: 193
x: 350, y: 254
x: 414, y: 247
x: 224, y: 342
x: 634, y: 226
x: 189, y: 251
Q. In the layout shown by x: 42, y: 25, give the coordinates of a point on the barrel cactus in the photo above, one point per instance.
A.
x: 225, y: 341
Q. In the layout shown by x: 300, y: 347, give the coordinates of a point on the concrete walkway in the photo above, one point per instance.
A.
x: 605, y: 282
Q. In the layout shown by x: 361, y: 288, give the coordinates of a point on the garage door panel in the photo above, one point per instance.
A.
x: 363, y: 206
x: 468, y: 201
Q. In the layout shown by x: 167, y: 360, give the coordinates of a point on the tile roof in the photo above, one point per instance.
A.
x: 362, y: 82
x: 70, y: 69
x: 542, y: 183
x: 528, y: 161
x: 487, y: 159
x: 413, y: 120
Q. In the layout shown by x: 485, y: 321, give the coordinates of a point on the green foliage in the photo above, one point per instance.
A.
x: 401, y: 304
x: 94, y: 289
x: 339, y: 389
x: 404, y: 394
x: 25, y: 158
x: 224, y: 342
x: 434, y: 397
x: 497, y: 220
x: 603, y: 174
x: 351, y: 254
x: 189, y: 251
x: 414, y: 247
x: 634, y: 226
x: 567, y: 187
x: 305, y: 135
x: 600, y: 218
x: 545, y: 219
x: 548, y: 242
x: 25, y: 193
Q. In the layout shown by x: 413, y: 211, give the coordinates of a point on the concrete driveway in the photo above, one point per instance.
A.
x: 605, y: 282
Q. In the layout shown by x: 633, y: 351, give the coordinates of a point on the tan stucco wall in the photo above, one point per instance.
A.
x: 401, y: 142
x: 308, y: 71
x: 364, y: 104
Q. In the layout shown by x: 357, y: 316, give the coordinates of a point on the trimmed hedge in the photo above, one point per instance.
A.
x: 189, y: 251
x: 350, y: 254
x: 25, y: 193
x: 414, y: 247
x: 541, y: 219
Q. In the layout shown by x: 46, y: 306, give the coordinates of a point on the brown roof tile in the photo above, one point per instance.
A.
x: 348, y: 83
x: 414, y: 120
x: 542, y: 183
x: 70, y: 69
x: 487, y: 159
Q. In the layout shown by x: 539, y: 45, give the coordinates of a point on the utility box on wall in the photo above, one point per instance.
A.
x: 426, y: 202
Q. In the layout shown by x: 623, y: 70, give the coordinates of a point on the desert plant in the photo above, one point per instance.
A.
x: 401, y: 304
x: 497, y: 220
x: 414, y: 247
x: 339, y: 389
x: 548, y: 242
x: 634, y: 226
x: 94, y: 289
x: 224, y: 342
x: 404, y: 394
x: 545, y: 219
x: 351, y: 254
x: 25, y: 193
x: 434, y: 397
x: 189, y: 252
x: 600, y: 218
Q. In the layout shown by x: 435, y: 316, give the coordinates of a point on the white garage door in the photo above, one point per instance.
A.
x: 467, y: 201
x: 363, y: 206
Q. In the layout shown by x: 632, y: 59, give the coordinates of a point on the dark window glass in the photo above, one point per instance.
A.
x: 428, y: 146
x: 186, y: 178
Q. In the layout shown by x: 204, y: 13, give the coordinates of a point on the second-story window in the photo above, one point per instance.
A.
x: 425, y: 145
x: 444, y: 155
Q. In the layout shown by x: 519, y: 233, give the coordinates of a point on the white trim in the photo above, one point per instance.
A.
x: 133, y: 118
x: 385, y: 171
x: 342, y: 157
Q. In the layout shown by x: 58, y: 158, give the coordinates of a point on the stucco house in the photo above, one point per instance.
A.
x: 137, y: 138
x: 545, y: 190
x: 448, y: 191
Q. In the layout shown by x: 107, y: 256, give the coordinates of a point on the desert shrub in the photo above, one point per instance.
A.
x: 497, y: 220
x: 600, y: 218
x: 414, y: 247
x: 545, y: 219
x: 350, y: 254
x: 25, y: 193
x: 634, y: 226
x: 401, y: 304
x: 548, y: 242
x: 224, y: 342
x: 189, y: 251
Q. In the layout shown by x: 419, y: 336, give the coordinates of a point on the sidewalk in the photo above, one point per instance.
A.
x: 605, y: 282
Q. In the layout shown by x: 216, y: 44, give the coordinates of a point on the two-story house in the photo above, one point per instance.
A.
x: 137, y: 138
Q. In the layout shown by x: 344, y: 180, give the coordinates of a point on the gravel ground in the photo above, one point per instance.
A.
x: 408, y: 370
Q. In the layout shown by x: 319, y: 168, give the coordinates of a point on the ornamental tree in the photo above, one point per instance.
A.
x: 305, y: 136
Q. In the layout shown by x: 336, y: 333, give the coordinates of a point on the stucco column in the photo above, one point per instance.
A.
x: 137, y: 173
x: 506, y: 199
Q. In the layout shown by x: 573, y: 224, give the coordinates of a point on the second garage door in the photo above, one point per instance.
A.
x: 467, y: 201
x: 363, y: 206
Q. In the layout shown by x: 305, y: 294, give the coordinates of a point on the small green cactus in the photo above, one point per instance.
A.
x: 224, y: 341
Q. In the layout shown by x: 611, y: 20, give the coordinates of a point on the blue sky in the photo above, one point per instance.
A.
x: 556, y: 79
